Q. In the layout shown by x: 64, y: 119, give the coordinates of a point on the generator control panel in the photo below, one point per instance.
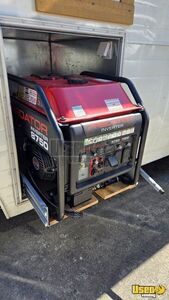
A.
x: 102, y: 157
x: 107, y: 147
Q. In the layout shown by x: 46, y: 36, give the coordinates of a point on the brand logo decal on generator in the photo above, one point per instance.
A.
x: 32, y: 121
x: 37, y: 129
x: 74, y: 133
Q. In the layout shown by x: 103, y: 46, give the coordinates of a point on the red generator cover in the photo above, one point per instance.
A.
x: 79, y: 99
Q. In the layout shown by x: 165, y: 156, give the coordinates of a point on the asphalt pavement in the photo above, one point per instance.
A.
x: 119, y: 243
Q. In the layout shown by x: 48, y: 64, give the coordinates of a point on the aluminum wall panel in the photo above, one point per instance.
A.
x: 73, y: 57
x: 27, y: 57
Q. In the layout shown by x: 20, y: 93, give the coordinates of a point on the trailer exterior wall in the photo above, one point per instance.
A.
x: 146, y: 62
x: 10, y: 192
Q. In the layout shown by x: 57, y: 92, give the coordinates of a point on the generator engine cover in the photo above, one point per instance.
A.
x: 76, y: 99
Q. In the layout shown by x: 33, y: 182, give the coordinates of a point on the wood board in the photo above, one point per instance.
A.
x: 112, y: 190
x: 85, y: 205
x: 99, y: 195
x: 81, y: 207
x: 114, y: 11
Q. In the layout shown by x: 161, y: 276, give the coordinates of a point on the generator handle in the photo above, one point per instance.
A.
x: 117, y: 79
x: 60, y: 139
x: 145, y: 116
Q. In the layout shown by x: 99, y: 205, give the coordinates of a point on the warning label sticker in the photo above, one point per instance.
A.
x: 78, y: 111
x: 28, y: 94
x: 32, y: 96
x: 113, y: 104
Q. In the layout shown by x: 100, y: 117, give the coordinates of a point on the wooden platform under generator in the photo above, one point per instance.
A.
x: 112, y: 190
x: 99, y: 195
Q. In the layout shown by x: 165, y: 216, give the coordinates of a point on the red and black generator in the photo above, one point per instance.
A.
x: 75, y: 133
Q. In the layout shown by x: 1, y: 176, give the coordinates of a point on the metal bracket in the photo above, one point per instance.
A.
x: 37, y: 202
x: 151, y: 181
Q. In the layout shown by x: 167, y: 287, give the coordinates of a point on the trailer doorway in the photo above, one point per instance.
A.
x: 40, y: 52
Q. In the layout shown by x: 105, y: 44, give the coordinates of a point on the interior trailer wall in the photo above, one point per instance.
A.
x: 76, y: 55
x: 65, y: 56
x: 27, y: 57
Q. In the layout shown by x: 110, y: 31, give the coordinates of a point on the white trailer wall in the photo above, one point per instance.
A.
x: 10, y: 193
x: 146, y: 62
